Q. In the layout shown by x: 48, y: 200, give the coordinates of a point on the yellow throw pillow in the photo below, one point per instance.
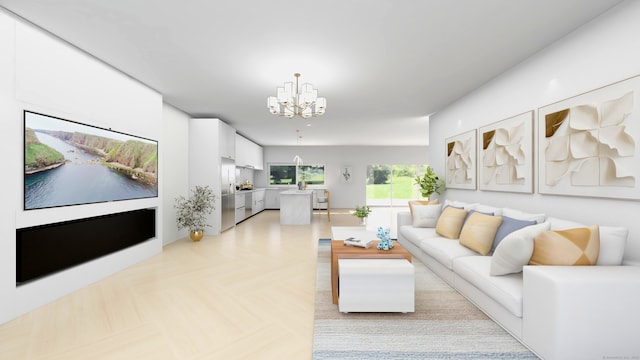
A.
x: 478, y: 232
x: 578, y: 246
x: 421, y: 202
x: 450, y: 222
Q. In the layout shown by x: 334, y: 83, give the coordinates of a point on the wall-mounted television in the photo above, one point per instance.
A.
x: 70, y: 163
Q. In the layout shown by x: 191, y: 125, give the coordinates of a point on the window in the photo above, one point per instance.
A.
x: 282, y: 175
x: 392, y: 184
x: 288, y: 174
x: 311, y: 174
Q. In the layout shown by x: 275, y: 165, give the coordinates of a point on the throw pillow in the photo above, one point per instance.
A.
x: 426, y: 215
x: 421, y: 202
x: 515, y: 250
x: 450, y: 222
x: 508, y: 226
x: 577, y: 246
x: 478, y: 232
x: 613, y: 240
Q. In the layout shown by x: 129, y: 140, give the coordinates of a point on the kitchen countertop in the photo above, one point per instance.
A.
x: 245, y: 191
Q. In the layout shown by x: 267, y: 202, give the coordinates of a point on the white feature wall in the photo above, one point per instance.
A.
x: 40, y: 73
x: 599, y: 53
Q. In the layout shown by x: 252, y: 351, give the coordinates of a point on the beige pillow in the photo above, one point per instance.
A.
x: 478, y: 232
x: 426, y: 215
x: 577, y: 246
x: 421, y: 202
x: 450, y: 222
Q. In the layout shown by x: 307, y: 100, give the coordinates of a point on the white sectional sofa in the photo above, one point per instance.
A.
x: 559, y: 312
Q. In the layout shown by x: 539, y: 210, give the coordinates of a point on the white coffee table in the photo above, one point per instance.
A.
x: 357, y: 232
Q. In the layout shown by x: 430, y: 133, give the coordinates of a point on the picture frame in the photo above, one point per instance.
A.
x: 460, y: 161
x: 505, y: 155
x: 346, y: 174
x: 589, y: 144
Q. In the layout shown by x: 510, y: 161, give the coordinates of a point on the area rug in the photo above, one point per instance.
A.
x: 444, y: 326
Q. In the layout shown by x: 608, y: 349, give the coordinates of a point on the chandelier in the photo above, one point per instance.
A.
x: 297, y: 101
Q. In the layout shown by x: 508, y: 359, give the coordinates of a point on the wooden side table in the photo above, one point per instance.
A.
x: 340, y: 251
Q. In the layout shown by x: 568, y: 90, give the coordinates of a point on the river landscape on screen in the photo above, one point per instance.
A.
x: 69, y: 163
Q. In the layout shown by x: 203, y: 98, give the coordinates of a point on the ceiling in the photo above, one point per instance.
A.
x: 382, y: 65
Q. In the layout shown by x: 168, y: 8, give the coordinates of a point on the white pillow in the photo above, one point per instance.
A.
x: 521, y: 215
x: 426, y: 215
x: 515, y: 250
x: 613, y: 240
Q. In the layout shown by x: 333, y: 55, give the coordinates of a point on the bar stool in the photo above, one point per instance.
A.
x: 326, y: 199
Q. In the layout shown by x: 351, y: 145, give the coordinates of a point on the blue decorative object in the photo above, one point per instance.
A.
x: 385, y: 238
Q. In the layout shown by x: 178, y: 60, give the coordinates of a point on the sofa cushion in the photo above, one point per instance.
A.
x: 478, y: 232
x: 445, y: 250
x: 485, y: 209
x: 459, y: 205
x: 613, y: 240
x: 416, y: 235
x: 508, y: 226
x: 425, y: 215
x: 505, y: 290
x: 576, y: 246
x: 450, y: 222
x: 515, y: 250
x: 521, y: 215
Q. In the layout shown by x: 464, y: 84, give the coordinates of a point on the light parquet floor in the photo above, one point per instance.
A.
x: 247, y: 293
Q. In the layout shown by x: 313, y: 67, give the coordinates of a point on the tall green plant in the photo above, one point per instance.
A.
x: 430, y: 183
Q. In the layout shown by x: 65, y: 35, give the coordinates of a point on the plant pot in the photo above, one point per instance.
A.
x: 363, y: 221
x: 196, y: 235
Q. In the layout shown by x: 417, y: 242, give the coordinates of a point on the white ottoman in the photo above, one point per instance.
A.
x: 376, y: 285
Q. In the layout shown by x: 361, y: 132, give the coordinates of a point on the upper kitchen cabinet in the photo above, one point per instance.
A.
x: 248, y: 153
x: 227, y: 140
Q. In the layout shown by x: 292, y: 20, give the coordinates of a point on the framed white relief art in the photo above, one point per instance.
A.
x: 460, y: 161
x: 505, y: 155
x: 588, y: 144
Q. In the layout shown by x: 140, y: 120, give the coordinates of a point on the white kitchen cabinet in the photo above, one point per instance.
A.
x: 240, y: 215
x: 272, y: 198
x: 227, y: 141
x: 204, y: 161
x: 258, y: 197
x: 248, y: 153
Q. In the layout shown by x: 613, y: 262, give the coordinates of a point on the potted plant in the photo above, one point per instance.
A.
x: 191, y: 213
x: 430, y: 183
x: 362, y: 212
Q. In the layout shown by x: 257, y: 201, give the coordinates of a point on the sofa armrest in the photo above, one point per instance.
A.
x: 581, y: 312
x: 404, y: 218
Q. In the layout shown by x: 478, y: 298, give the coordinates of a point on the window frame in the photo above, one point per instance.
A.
x: 297, y: 174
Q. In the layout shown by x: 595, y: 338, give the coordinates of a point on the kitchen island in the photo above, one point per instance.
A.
x: 296, y: 207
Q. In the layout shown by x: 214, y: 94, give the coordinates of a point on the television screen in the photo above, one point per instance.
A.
x: 69, y: 163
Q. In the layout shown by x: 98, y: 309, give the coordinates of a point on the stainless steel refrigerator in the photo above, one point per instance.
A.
x: 228, y: 196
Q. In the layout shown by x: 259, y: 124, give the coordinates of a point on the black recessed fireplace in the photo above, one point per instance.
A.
x: 43, y: 250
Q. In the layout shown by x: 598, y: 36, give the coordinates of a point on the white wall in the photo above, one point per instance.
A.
x: 335, y: 157
x: 175, y: 168
x: 601, y: 52
x: 43, y: 74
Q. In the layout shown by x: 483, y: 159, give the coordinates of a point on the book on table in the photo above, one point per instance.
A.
x: 358, y: 242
